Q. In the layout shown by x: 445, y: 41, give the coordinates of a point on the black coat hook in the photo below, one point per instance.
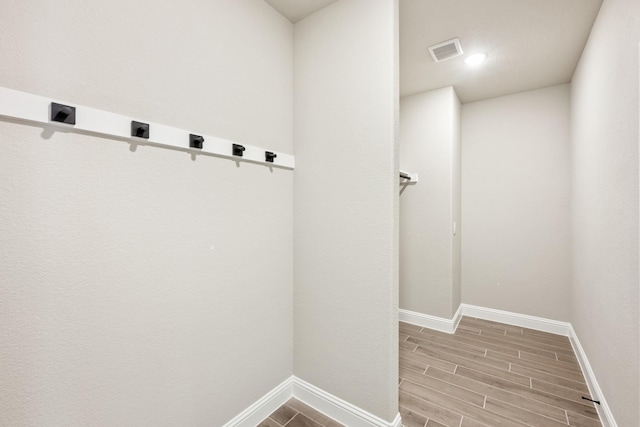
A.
x: 63, y: 113
x: 238, y: 150
x: 195, y: 141
x: 139, y: 129
x: 269, y: 156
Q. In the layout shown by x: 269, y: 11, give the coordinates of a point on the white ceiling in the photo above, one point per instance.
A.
x: 530, y: 43
x: 295, y: 10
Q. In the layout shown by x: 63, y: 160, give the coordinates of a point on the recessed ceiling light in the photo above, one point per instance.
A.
x: 475, y: 59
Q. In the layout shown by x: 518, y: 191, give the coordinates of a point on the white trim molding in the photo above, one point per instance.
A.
x: 606, y: 416
x: 338, y: 409
x: 330, y: 405
x: 516, y: 319
x: 263, y: 407
x: 432, y: 322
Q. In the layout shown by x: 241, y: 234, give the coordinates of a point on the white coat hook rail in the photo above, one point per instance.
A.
x: 411, y: 178
x: 70, y: 118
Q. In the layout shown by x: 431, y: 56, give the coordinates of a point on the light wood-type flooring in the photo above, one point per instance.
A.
x: 487, y: 374
x: 490, y: 374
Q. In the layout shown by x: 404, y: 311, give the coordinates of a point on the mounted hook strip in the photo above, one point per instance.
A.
x: 35, y: 108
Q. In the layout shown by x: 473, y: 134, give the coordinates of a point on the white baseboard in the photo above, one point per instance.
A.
x: 263, y: 407
x: 606, y: 416
x: 338, y: 409
x: 432, y: 322
x: 516, y: 319
x: 330, y: 405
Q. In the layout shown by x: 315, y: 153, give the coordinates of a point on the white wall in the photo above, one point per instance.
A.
x: 515, y: 203
x: 604, y: 128
x: 115, y: 307
x: 346, y: 191
x: 429, y: 253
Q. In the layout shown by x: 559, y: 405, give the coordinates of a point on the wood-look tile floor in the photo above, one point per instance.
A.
x: 487, y: 374
x: 490, y: 374
x: 296, y: 414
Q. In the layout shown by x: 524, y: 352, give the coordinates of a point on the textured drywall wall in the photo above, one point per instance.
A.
x: 139, y: 286
x: 429, y: 253
x: 604, y: 127
x: 515, y: 203
x: 345, y: 210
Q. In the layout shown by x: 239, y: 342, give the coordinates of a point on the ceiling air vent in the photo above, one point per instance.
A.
x: 446, y: 50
